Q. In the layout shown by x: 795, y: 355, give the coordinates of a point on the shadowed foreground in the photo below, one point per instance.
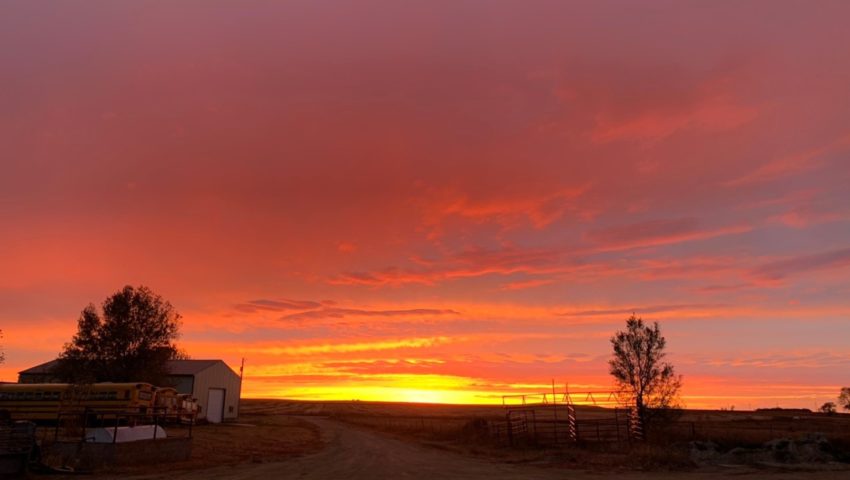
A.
x: 353, y: 453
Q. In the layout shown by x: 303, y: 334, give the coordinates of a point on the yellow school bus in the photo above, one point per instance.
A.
x: 165, y: 400
x: 44, y: 401
x: 188, y: 407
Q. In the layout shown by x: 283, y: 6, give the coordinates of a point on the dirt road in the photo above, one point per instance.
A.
x: 356, y: 454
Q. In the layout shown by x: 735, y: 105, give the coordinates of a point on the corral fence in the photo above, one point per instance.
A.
x: 17, y: 440
x: 93, y: 438
x: 79, y: 425
x: 552, y: 418
x: 551, y: 425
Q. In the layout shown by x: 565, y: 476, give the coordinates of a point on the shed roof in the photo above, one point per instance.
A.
x: 190, y: 367
x: 176, y: 367
x: 41, y: 369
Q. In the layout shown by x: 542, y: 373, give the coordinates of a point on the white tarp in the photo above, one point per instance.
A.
x: 124, y: 434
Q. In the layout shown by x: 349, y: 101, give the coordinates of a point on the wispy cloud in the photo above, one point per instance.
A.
x: 780, y: 269
x: 640, y: 310
x: 276, y: 305
x: 711, y: 114
x: 465, y: 264
x: 355, y: 312
x: 791, y: 165
x: 539, y: 209
x: 657, y: 232
x: 548, y: 263
x: 788, y: 359
x: 378, y: 345
x: 804, y: 216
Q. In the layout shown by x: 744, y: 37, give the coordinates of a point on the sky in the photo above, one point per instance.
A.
x: 440, y: 201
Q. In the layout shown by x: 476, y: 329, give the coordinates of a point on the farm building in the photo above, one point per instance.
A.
x: 213, y: 384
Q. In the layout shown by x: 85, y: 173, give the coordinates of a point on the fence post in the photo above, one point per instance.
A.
x: 533, y: 424
x: 510, y: 430
x: 554, y: 414
x: 83, y: 423
x: 617, y: 425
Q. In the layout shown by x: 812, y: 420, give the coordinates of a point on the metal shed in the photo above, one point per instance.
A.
x: 214, y: 385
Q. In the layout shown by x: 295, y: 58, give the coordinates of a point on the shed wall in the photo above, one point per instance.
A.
x: 218, y: 376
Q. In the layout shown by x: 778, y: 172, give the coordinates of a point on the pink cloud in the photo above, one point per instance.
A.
x: 509, y: 210
x: 329, y: 312
x: 713, y: 114
x: 276, y: 305
x: 466, y: 264
x: 641, y: 310
x: 346, y: 247
x: 792, y: 164
x: 657, y: 232
x: 524, y: 284
x: 690, y: 267
x: 808, y: 215
x: 780, y: 269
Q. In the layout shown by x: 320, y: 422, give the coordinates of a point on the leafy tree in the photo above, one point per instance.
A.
x: 640, y: 370
x: 131, y: 340
x: 844, y: 398
x: 827, y: 408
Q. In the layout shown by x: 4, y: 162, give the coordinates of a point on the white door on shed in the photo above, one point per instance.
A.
x: 215, y: 405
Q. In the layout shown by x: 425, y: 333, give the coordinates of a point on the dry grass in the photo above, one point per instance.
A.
x: 269, y: 430
x: 257, y: 437
x: 463, y: 429
x: 751, y: 429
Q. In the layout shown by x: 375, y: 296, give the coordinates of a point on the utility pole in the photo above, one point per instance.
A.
x: 554, y: 412
x: 241, y: 377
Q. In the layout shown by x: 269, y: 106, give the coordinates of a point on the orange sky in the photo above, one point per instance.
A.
x: 443, y: 201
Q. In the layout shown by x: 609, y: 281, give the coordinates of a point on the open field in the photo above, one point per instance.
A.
x: 437, y: 421
x: 365, y: 440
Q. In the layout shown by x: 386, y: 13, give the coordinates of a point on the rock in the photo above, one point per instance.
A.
x: 702, y: 452
x: 813, y: 448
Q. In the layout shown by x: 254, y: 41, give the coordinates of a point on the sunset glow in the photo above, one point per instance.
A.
x: 441, y: 202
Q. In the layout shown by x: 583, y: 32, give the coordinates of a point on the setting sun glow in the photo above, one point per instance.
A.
x: 382, y: 201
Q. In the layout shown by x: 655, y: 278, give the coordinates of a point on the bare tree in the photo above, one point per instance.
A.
x: 640, y: 370
x: 131, y: 341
